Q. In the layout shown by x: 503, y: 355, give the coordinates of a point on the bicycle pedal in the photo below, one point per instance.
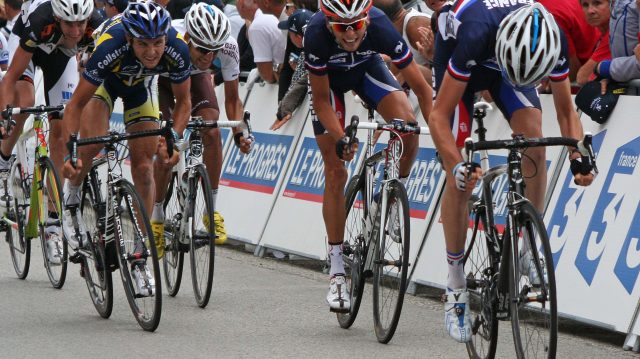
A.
x: 76, y: 258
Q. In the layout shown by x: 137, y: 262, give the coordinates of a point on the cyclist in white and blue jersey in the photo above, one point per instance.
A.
x: 505, y: 48
x: 342, y: 45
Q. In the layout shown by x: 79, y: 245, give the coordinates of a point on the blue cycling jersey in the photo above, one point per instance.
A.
x: 468, y: 30
x: 113, y: 55
x: 322, y: 52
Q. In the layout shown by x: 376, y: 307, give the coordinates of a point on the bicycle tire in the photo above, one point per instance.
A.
x: 392, y: 263
x: 136, y: 237
x: 49, y: 184
x: 95, y: 270
x: 534, y: 307
x: 355, y: 248
x: 202, y: 241
x: 480, y: 267
x: 173, y: 260
x: 19, y: 245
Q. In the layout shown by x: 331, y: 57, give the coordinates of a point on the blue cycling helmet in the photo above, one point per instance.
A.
x: 146, y: 20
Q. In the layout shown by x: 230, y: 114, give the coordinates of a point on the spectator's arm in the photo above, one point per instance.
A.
x: 585, y: 72
x: 294, y: 96
x: 266, y: 72
x: 620, y: 69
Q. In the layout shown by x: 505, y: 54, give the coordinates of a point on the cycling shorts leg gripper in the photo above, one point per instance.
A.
x: 337, y: 103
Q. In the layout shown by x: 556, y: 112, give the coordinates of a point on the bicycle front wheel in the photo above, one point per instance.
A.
x: 173, y: 260
x: 391, y: 263
x: 202, y: 233
x: 355, y: 248
x: 534, y: 307
x: 95, y: 268
x: 137, y: 251
x: 50, y: 200
x: 480, y: 267
x: 18, y: 185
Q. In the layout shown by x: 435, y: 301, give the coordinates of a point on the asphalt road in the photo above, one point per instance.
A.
x: 260, y: 308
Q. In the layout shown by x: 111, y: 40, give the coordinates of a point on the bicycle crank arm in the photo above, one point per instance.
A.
x: 386, y: 262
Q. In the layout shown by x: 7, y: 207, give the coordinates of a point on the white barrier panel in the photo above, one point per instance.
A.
x: 296, y: 224
x: 594, y: 230
x: 431, y: 268
x: 250, y: 183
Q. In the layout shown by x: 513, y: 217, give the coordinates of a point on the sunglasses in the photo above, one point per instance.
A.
x: 203, y: 50
x: 344, y: 27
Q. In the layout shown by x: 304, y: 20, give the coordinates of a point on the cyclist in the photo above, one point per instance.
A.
x: 130, y: 51
x: 206, y: 29
x: 469, y: 58
x: 48, y: 35
x: 342, y: 46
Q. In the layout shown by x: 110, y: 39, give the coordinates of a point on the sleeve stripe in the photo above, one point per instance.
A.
x: 559, y: 76
x: 317, y: 68
x: 459, y: 75
x: 402, y: 59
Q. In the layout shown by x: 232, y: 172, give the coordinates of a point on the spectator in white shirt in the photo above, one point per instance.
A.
x: 267, y: 43
x: 11, y: 12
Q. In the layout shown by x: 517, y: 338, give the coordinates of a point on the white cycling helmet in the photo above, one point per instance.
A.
x: 207, y: 25
x: 345, y: 9
x: 528, y: 45
x: 72, y: 10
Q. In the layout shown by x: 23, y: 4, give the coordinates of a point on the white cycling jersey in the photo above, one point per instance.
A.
x: 227, y: 60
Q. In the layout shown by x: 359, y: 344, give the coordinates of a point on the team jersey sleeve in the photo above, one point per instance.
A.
x: 315, y: 49
x: 38, y: 28
x: 177, y: 53
x: 390, y: 42
x: 472, y: 40
x: 109, y: 48
x: 230, y: 60
x: 561, y: 71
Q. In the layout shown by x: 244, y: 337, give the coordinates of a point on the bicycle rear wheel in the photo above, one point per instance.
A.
x: 137, y: 244
x: 355, y: 249
x: 391, y: 263
x: 202, y: 233
x: 480, y: 267
x: 95, y: 269
x: 19, y: 245
x: 173, y: 260
x: 51, y: 202
x: 534, y: 307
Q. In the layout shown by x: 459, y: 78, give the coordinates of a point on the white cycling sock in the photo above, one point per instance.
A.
x: 71, y: 194
x: 214, y: 197
x: 158, y: 212
x: 456, y: 279
x: 337, y: 263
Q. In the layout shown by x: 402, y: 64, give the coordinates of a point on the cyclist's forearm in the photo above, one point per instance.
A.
x: 444, y: 141
x: 234, y: 108
x: 181, y: 115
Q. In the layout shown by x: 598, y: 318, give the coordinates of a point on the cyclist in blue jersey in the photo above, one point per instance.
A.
x: 505, y: 48
x: 342, y: 45
x: 130, y: 51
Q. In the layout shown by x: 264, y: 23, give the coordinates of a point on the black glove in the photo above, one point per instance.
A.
x: 581, y: 165
x: 343, y: 147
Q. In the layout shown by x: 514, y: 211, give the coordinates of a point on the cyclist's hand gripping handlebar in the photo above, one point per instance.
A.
x: 345, y: 145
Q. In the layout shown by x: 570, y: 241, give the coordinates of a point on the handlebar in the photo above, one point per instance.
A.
x: 397, y: 126
x: 115, y: 137
x: 7, y: 114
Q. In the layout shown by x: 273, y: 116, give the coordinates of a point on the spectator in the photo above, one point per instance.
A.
x: 278, y: 9
x: 310, y: 5
x: 236, y: 21
x: 597, y: 14
x: 115, y: 7
x: 623, y: 39
x: 407, y: 23
x: 247, y: 10
x: 11, y: 11
x: 581, y: 38
x: 266, y: 40
x: 4, y: 54
x: 295, y: 93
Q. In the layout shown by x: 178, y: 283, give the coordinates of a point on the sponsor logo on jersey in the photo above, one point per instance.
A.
x: 492, y: 4
x: 260, y: 170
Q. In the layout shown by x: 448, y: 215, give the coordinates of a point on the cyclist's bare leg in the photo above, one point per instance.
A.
x: 455, y: 215
x: 142, y: 151
x: 395, y: 105
x: 528, y: 121
x: 57, y: 145
x: 98, y: 112
x: 161, y: 177
x: 335, y: 174
x: 24, y: 96
x: 212, y: 146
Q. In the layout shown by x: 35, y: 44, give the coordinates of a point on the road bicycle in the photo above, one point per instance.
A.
x: 510, y: 272
x: 118, y: 231
x: 377, y: 241
x: 34, y: 203
x: 189, y: 225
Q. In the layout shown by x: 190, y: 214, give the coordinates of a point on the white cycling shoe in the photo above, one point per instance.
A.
x: 457, y: 322
x: 338, y: 297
